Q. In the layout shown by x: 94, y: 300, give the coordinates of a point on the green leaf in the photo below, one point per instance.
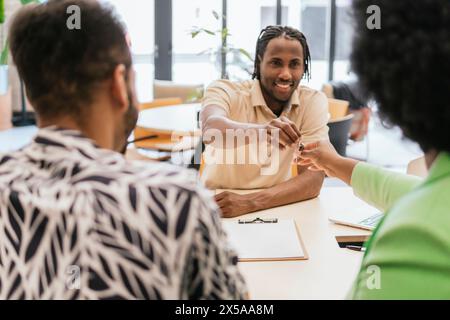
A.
x: 194, y: 33
x: 225, y: 33
x: 245, y: 53
x: 209, y: 32
x: 24, y: 2
x: 4, y: 54
x: 2, y: 11
x: 207, y: 51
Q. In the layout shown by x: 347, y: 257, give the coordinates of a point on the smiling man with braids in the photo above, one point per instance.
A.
x: 272, y: 107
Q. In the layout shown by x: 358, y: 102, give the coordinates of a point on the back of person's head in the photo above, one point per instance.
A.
x: 61, y: 66
x: 405, y: 65
x: 273, y: 32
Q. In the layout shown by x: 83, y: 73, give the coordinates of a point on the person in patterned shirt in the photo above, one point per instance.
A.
x: 77, y: 220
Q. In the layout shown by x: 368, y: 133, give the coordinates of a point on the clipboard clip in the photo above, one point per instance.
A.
x: 258, y: 220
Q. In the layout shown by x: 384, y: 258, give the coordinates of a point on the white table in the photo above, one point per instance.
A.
x: 330, y: 270
x: 165, y: 120
x: 181, y: 118
x: 15, y: 138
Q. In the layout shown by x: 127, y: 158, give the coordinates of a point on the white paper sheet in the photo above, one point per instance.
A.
x: 265, y: 241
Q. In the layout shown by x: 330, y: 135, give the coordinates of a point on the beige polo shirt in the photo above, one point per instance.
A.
x: 244, y: 102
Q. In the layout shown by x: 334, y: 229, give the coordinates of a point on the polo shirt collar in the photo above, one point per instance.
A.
x: 257, y: 97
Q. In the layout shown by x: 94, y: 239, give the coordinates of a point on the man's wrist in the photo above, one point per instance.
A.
x: 258, y: 200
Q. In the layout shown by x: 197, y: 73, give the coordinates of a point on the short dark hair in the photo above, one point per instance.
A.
x: 272, y: 32
x: 405, y: 66
x: 61, y: 67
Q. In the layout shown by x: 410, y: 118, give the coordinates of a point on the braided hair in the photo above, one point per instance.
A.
x: 272, y: 32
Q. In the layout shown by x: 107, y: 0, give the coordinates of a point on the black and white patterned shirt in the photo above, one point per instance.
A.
x: 81, y: 222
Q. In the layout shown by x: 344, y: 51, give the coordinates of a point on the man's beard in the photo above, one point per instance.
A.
x: 129, y: 121
x: 272, y: 95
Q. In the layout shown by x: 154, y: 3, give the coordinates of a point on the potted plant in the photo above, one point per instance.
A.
x: 5, y: 92
x: 237, y: 56
x: 5, y: 88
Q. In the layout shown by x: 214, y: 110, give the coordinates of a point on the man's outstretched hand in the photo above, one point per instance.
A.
x: 288, y: 133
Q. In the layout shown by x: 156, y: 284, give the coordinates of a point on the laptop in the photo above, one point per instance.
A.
x: 368, y: 220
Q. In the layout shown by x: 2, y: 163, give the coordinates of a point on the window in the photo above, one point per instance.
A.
x: 139, y: 17
x: 195, y: 59
x: 344, y: 35
x: 310, y: 17
x: 245, y: 19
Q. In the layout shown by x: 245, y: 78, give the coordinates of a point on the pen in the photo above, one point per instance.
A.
x: 258, y: 220
x: 356, y: 248
x: 148, y: 137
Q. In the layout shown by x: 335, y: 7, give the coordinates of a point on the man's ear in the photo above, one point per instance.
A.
x: 119, y: 86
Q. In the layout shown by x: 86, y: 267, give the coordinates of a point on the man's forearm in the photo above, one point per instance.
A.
x: 305, y: 186
x: 222, y: 124
x: 219, y: 125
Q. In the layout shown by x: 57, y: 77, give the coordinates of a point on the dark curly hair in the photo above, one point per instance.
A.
x: 272, y: 32
x: 60, y: 67
x: 405, y: 66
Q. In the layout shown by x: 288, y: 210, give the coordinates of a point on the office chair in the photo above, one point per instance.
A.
x: 339, y: 133
x: 337, y: 108
x: 358, y: 106
x: 186, y: 92
x: 159, y: 140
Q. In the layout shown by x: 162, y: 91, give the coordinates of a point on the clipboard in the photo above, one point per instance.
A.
x: 265, y: 239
